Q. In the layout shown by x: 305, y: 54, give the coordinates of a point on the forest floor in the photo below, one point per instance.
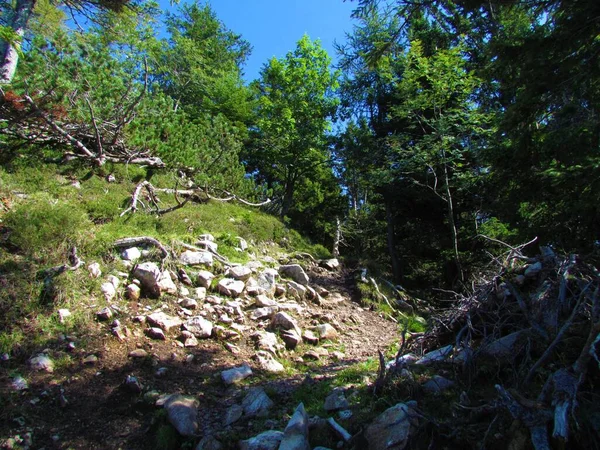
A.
x: 88, y: 406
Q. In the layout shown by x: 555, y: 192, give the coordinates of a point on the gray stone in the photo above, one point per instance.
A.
x: 267, y: 440
x: 243, y: 245
x: 138, y: 353
x: 63, y: 314
x: 104, y: 314
x: 199, y: 326
x: 267, y: 280
x: 262, y: 301
x: 310, y: 337
x: 165, y: 283
x: 94, y: 270
x: 336, y: 400
x: 239, y: 273
x: 291, y: 339
x: 437, y: 385
x: 133, y: 384
x: 195, y: 258
x: 156, y: 333
x: 19, y: 384
x: 233, y: 414
x: 200, y: 293
x: 505, y: 347
x: 131, y: 254
x: 264, y: 340
x: 230, y: 287
x: 441, y: 354
x: 294, y: 272
x: 295, y: 436
x: 391, y: 429
x: 133, y: 292
x: 263, y: 313
x: 206, y: 237
x: 268, y: 363
x: 296, y: 290
x: 182, y: 412
x: 209, y: 443
x: 163, y: 321
x: 188, y: 303
x: 205, y: 278
x: 326, y: 331
x: 208, y: 245
x: 316, y: 353
x: 331, y: 264
x: 236, y: 374
x: 256, y: 403
x: 148, y: 274
x: 284, y: 321
x: 108, y: 290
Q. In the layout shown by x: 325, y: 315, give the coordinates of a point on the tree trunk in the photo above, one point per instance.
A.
x: 288, y: 196
x: 452, y: 222
x: 391, y: 240
x: 10, y: 51
x: 337, y: 238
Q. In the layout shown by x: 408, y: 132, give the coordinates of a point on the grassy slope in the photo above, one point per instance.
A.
x: 43, y: 214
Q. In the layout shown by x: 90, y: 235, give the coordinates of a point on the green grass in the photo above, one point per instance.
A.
x: 48, y: 215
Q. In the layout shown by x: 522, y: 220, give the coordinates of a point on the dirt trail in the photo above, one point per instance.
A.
x: 86, y: 406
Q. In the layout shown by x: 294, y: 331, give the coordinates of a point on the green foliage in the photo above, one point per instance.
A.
x: 43, y: 223
x: 294, y: 103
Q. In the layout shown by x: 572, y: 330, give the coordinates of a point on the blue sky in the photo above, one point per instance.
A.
x: 274, y: 26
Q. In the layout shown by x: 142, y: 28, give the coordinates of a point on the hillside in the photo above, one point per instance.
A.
x: 89, y: 322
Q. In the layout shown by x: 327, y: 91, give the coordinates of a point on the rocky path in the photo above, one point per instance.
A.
x: 107, y: 398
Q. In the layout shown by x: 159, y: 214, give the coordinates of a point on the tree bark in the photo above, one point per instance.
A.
x: 391, y: 240
x: 451, y: 221
x: 10, y: 51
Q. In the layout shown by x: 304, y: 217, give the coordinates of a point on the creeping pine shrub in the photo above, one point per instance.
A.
x: 42, y: 224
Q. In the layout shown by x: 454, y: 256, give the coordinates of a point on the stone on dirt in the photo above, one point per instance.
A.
x: 291, y: 339
x: 148, y: 275
x: 257, y: 403
x: 285, y: 321
x: 199, y: 327
x: 192, y: 258
x: 296, y: 432
x: 336, y: 400
x: 236, y: 374
x: 205, y: 278
x: 209, y: 443
x: 267, y: 440
x: 108, y: 290
x: 441, y: 354
x: 294, y: 272
x: 104, y: 314
x: 230, y: 287
x: 391, y: 429
x: 437, y: 385
x: 233, y: 414
x: 182, y: 413
x: 239, y: 273
x: 163, y: 321
x: 326, y: 331
x: 268, y: 363
x: 42, y: 362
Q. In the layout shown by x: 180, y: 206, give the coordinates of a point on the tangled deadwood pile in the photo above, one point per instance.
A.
x: 522, y: 350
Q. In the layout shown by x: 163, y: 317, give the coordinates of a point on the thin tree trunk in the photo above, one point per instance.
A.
x: 337, y: 238
x: 10, y: 51
x: 391, y: 241
x: 452, y: 222
x: 288, y: 196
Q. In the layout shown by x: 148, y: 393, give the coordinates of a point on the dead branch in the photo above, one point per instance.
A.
x: 74, y: 263
x: 532, y: 415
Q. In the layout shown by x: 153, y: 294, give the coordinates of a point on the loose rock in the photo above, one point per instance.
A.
x: 230, y: 287
x: 163, y: 321
x: 391, y: 429
x: 296, y: 432
x: 182, y: 412
x: 295, y: 272
x: 268, y: 363
x: 199, y: 327
x: 192, y: 258
x: 257, y: 403
x: 267, y: 440
x: 236, y: 374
